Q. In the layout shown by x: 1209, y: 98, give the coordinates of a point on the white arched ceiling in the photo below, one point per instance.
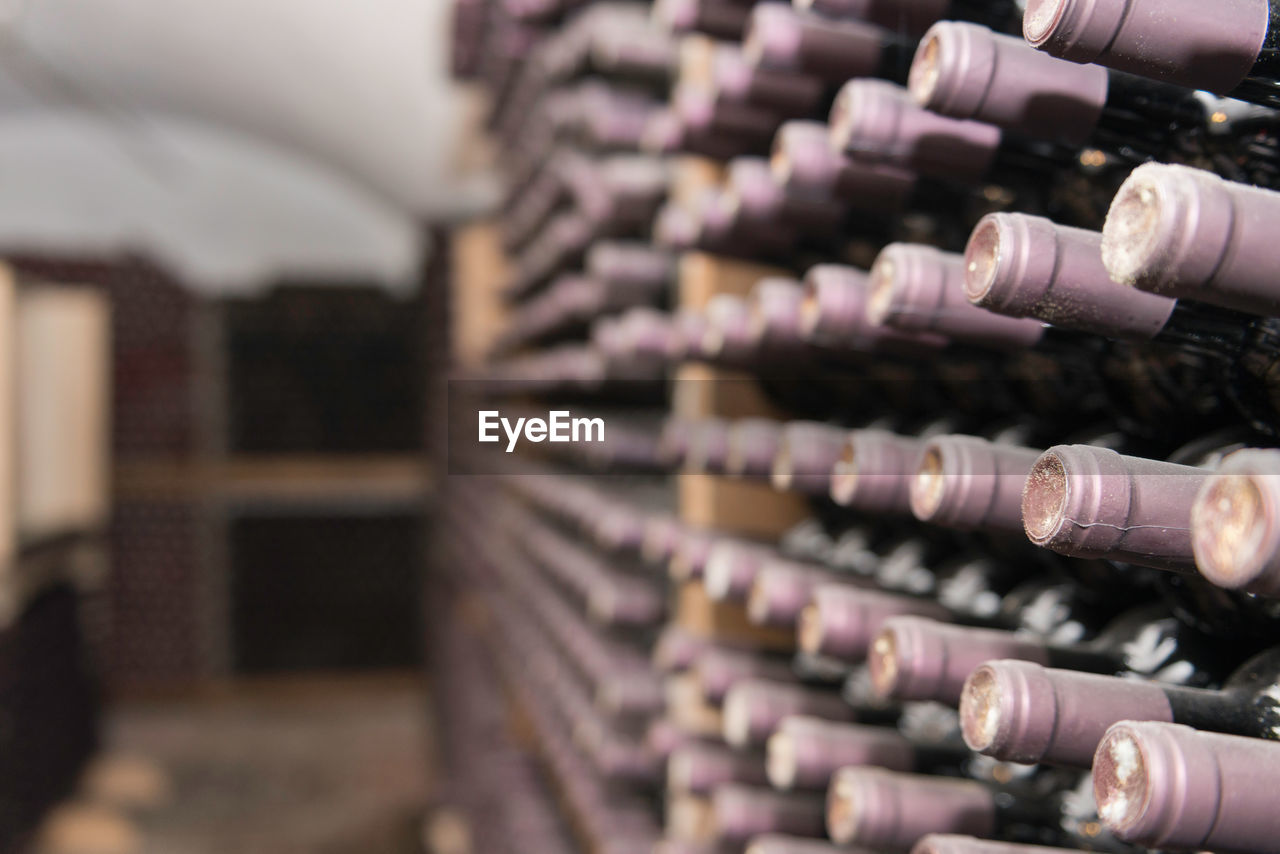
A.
x: 240, y: 137
x: 223, y: 210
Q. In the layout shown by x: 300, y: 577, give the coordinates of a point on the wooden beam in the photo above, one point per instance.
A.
x: 480, y: 270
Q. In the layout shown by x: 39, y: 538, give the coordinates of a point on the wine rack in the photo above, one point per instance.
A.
x: 935, y: 505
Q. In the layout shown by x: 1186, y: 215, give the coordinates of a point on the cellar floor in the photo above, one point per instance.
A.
x: 315, y: 765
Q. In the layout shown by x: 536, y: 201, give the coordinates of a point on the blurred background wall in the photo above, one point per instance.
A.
x: 219, y: 219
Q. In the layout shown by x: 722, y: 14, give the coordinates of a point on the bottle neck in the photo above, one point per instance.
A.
x: 1144, y: 115
x: 1248, y: 704
x: 895, y: 60
x: 1262, y: 84
x: 999, y: 15
x: 1206, y: 329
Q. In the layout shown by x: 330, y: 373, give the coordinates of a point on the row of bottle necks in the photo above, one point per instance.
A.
x: 1020, y: 698
x: 980, y: 106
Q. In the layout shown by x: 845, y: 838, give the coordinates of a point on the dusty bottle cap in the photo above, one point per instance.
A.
x: 1028, y: 266
x: 1018, y: 711
x: 1184, y: 232
x: 968, y: 483
x: 1179, y: 41
x: 967, y: 71
x: 1235, y: 523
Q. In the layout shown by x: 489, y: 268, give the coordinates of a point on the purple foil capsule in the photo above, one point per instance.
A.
x: 804, y: 752
x: 969, y: 483
x: 834, y: 314
x: 689, y: 327
x: 723, y: 19
x: 913, y: 658
x: 733, y: 78
x: 731, y: 568
x: 911, y: 16
x: 966, y: 71
x: 778, y: 37
x: 806, y: 457
x: 775, y: 304
x: 741, y: 812
x: 774, y: 844
x: 948, y: 843
x: 728, y: 336
x: 1179, y: 41
x: 675, y: 228
x: 805, y: 166
x: 877, y: 121
x: 676, y: 649
x: 1186, y: 233
x: 1170, y: 786
x: 922, y: 289
x: 700, y: 767
x: 875, y: 471
x: 630, y: 266
x: 717, y: 670
x: 1018, y: 711
x: 753, y: 443
x: 689, y: 559
x: 889, y: 810
x: 762, y: 201
x: 781, y: 590
x: 841, y: 620
x: 1028, y: 266
x: 1086, y: 501
x: 708, y: 450
x: 754, y: 708
x: 1235, y: 523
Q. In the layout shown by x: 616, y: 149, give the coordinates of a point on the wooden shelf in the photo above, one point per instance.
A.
x: 323, y: 479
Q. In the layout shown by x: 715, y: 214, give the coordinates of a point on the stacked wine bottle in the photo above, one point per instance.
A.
x: 935, y: 346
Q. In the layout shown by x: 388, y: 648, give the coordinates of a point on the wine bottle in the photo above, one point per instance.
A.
x: 806, y: 456
x: 781, y: 38
x: 780, y: 591
x: 1020, y: 711
x: 774, y: 305
x: 741, y: 812
x: 1167, y: 785
x: 948, y: 843
x: 771, y: 843
x: 920, y: 289
x: 879, y: 122
x: 754, y: 708
x: 805, y: 166
x: 717, y: 669
x: 701, y: 113
x: 759, y: 200
x: 724, y: 69
x: 913, y: 658
x: 874, y: 472
x: 1234, y: 534
x: 914, y: 17
x: 841, y: 620
x: 971, y: 483
x: 708, y: 448
x: 881, y: 809
x: 753, y: 442
x: 1085, y: 501
x: 1228, y: 48
x: 676, y: 648
x: 833, y: 315
x: 804, y: 752
x: 1187, y: 233
x: 723, y: 19
x: 966, y: 71
x: 700, y: 767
